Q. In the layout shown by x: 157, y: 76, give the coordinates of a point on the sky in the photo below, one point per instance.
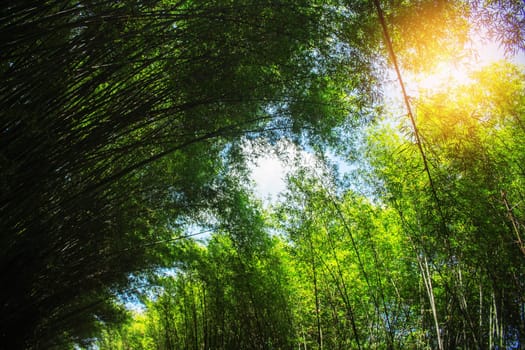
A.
x: 269, y: 175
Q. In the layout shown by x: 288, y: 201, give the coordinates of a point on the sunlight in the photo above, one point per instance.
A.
x: 444, y: 76
x: 447, y: 74
x: 487, y: 52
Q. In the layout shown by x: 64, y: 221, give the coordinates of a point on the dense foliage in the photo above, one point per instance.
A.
x: 123, y: 133
x: 121, y: 122
x: 339, y: 271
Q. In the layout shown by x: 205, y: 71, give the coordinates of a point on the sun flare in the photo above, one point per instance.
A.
x: 442, y: 77
x: 447, y: 74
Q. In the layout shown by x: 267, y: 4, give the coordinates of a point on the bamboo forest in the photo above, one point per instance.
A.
x: 131, y: 133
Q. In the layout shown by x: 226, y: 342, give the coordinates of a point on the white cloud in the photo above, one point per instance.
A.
x: 272, y: 163
x: 269, y: 174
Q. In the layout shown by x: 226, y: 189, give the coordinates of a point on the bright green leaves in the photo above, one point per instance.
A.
x: 226, y: 295
x: 351, y: 263
x: 463, y: 236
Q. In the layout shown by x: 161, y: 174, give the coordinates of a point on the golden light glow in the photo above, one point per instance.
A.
x: 442, y: 77
x: 447, y: 74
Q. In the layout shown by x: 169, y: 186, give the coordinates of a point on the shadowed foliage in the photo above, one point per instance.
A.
x: 117, y: 120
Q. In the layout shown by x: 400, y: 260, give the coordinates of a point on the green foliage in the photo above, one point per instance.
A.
x: 343, y: 249
x: 341, y: 270
x: 116, y: 120
x: 470, y: 233
x: 227, y: 295
x: 421, y: 45
x: 122, y: 125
